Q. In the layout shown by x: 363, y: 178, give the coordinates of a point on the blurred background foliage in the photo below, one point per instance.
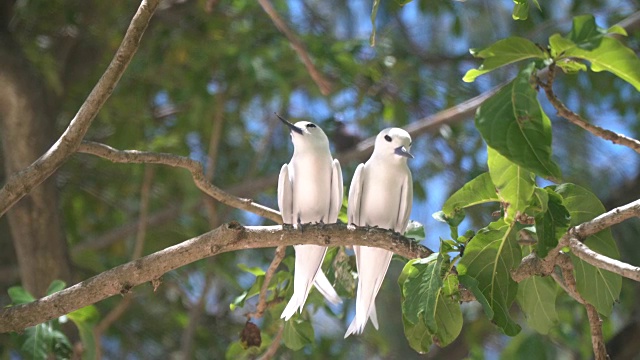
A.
x: 205, y: 83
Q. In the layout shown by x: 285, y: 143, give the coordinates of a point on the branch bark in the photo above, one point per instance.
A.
x: 576, y: 119
x: 194, y: 167
x: 228, y: 237
x: 21, y: 183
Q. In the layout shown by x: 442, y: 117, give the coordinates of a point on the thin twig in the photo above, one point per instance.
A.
x: 275, y: 345
x: 576, y: 119
x: 262, y: 299
x: 323, y: 84
x: 597, y: 339
x: 607, y: 219
x: 603, y: 262
x: 194, y: 167
x: 21, y: 183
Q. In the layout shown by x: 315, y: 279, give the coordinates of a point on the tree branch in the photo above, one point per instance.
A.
x: 21, y: 183
x: 576, y: 119
x: 228, y: 237
x: 194, y: 167
x: 323, y: 84
x: 262, y: 299
x: 275, y: 345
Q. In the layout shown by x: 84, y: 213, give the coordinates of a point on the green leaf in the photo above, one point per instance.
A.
x: 552, y: 224
x: 489, y: 258
x: 520, y: 10
x: 20, y: 295
x: 537, y: 299
x: 504, y: 52
x: 585, y: 33
x: 514, y: 184
x: 448, y: 318
x: 417, y: 335
x: 55, y: 286
x: 85, y: 320
x: 257, y: 271
x: 374, y: 13
x: 415, y: 230
x: 513, y: 123
x: 570, y: 66
x: 539, y: 202
x: 477, y: 191
x: 599, y: 287
x: 297, y: 334
x: 421, y: 291
x: 587, y: 41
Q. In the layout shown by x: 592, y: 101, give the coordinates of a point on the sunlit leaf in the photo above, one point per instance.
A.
x: 504, y: 52
x: 415, y: 230
x: 513, y: 123
x: 421, y: 291
x: 477, y: 191
x: 257, y: 271
x: 514, y: 184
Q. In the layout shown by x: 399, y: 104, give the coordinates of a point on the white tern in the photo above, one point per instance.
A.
x: 381, y: 195
x: 309, y: 190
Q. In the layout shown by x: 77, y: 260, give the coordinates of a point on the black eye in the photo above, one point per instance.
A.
x: 311, y: 125
x: 388, y: 138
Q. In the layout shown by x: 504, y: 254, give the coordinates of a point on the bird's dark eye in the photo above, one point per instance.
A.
x: 388, y: 138
x: 311, y: 125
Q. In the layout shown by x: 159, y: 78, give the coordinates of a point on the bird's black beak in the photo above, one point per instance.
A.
x: 402, y: 151
x: 290, y: 125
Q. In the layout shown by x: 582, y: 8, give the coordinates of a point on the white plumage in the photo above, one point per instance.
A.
x: 309, y: 190
x: 381, y: 194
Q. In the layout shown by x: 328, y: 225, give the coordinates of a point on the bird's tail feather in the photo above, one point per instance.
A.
x: 324, y: 287
x: 372, y: 267
x: 307, y: 263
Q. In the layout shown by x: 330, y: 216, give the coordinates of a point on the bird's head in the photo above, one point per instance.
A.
x: 306, y: 134
x: 393, y: 143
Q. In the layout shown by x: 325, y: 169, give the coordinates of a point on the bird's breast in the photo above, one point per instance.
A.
x: 381, y: 196
x: 311, y: 188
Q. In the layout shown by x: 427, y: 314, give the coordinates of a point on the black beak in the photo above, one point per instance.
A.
x: 290, y: 125
x: 402, y: 151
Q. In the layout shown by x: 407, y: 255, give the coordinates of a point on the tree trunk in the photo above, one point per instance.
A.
x: 26, y: 132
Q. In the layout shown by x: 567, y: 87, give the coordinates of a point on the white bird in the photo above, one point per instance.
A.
x: 309, y: 190
x: 381, y: 195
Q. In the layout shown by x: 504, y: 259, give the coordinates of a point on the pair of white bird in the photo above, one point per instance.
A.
x: 381, y: 195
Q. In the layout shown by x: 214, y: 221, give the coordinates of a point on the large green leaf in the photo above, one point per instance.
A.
x: 477, y: 191
x: 599, y: 287
x: 514, y: 184
x: 472, y: 285
x: 421, y: 291
x: 513, y: 123
x: 537, y: 299
x: 552, y: 224
x: 489, y: 258
x: 297, y: 334
x: 589, y: 42
x: 85, y: 320
x: 504, y: 52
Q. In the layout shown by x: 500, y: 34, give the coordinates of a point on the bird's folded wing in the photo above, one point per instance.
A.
x: 285, y: 195
x: 336, y: 192
x: 355, y: 190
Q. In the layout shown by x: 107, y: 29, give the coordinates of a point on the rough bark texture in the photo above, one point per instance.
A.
x: 228, y: 237
x: 27, y: 130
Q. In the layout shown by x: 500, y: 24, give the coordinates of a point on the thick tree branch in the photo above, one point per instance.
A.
x: 228, y: 237
x: 576, y: 119
x: 194, y: 167
x: 21, y: 183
